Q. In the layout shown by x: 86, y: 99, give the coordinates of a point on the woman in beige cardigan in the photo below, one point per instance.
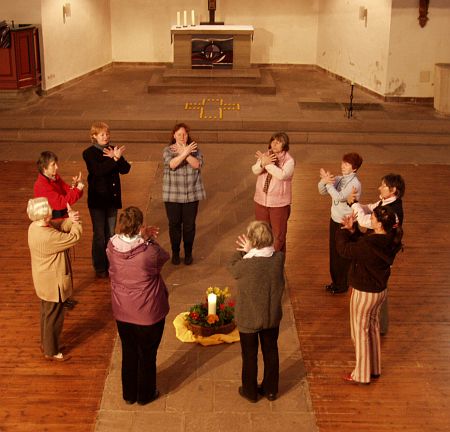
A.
x: 49, y: 244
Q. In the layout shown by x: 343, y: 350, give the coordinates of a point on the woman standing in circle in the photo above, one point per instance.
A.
x: 49, y: 242
x: 371, y: 258
x: 182, y: 190
x: 273, y: 194
x: 258, y: 269
x: 140, y: 303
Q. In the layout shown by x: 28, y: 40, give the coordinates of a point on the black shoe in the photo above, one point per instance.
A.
x: 176, y: 259
x: 101, y: 274
x: 337, y: 290
x: 68, y: 305
x: 375, y: 376
x: 330, y: 287
x: 188, y: 259
x: 241, y: 392
x: 147, y: 401
x: 269, y: 396
x: 129, y: 402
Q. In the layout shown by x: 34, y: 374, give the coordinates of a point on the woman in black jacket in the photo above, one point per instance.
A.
x: 372, y: 256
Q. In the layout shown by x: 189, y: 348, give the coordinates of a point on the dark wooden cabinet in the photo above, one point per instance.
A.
x: 20, y: 63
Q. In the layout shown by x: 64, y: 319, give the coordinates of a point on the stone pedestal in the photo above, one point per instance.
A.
x: 442, y: 88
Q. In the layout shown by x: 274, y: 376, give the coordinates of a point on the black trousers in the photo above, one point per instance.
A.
x: 139, y: 348
x: 52, y: 320
x: 269, y: 348
x: 103, y: 227
x: 182, y: 225
x: 339, y: 266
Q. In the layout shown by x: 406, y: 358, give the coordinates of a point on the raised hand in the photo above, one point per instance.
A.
x: 348, y: 221
x: 108, y: 152
x: 118, y: 152
x: 74, y: 216
x: 353, y: 196
x: 243, y: 243
x: 149, y: 232
x: 191, y: 148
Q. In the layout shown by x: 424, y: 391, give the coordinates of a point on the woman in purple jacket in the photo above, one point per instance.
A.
x: 139, y: 303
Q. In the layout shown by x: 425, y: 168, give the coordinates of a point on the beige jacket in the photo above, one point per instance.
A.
x: 50, y: 263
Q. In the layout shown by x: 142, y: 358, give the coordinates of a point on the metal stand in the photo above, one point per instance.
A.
x: 349, y: 109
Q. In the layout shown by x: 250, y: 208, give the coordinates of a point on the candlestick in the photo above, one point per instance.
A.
x: 178, y: 19
x: 212, y: 300
x: 192, y: 17
x: 185, y: 19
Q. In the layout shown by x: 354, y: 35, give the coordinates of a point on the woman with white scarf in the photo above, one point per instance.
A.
x: 258, y: 269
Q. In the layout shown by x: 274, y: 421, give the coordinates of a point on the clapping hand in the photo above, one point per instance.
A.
x: 74, y: 216
x: 118, y: 152
x: 149, y: 232
x: 353, y: 196
x: 243, y: 243
x: 266, y: 158
x: 348, y: 221
x: 326, y: 176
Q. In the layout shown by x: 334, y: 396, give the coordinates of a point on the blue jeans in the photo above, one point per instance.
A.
x: 103, y: 227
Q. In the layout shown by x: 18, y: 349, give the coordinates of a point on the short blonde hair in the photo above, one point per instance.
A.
x: 260, y: 234
x: 38, y: 209
x: 96, y: 128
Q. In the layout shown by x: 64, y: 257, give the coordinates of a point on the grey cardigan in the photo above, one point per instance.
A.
x: 260, y: 285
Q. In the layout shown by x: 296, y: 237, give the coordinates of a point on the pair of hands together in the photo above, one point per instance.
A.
x: 77, y: 182
x: 114, y: 152
x: 266, y: 158
x: 184, y: 149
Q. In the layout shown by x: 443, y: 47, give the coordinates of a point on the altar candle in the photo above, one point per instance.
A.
x: 192, y: 17
x: 185, y: 19
x: 212, y: 300
x: 178, y: 19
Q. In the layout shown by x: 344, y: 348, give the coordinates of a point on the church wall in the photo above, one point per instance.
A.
x: 77, y: 46
x: 21, y: 11
x: 414, y: 50
x: 352, y: 46
x: 285, y: 32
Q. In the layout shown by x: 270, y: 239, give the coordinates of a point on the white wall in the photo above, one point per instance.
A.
x: 77, y: 46
x: 353, y: 48
x: 21, y: 11
x: 414, y: 50
x: 285, y: 31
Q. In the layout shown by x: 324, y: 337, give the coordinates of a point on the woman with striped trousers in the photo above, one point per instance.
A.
x: 372, y: 256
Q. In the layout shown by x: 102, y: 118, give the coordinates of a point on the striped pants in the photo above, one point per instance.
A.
x: 365, y: 328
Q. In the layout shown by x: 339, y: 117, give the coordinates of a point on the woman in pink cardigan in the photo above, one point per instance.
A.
x: 273, y: 194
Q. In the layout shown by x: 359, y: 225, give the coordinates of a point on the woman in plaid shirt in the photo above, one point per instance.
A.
x: 182, y: 190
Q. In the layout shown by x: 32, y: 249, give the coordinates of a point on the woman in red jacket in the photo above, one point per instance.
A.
x: 50, y: 185
x: 140, y: 303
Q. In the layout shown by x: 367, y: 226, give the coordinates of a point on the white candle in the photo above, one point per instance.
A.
x: 178, y: 19
x: 212, y: 299
x: 192, y: 17
x: 185, y: 19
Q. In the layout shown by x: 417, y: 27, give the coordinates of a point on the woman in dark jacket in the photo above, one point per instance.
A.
x: 139, y: 302
x: 260, y: 284
x: 372, y: 256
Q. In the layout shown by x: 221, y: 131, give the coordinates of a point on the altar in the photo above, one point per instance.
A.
x: 217, y: 40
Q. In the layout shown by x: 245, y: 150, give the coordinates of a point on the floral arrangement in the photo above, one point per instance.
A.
x: 198, y: 314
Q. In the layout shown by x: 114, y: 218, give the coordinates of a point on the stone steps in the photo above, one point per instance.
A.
x: 354, y: 131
